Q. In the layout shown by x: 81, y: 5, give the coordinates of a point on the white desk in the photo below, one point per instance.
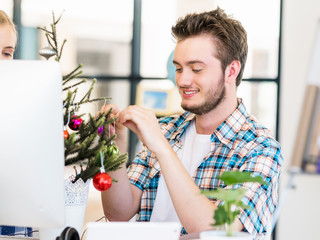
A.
x: 192, y: 236
x: 17, y: 238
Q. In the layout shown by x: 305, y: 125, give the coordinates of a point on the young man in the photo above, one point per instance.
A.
x: 186, y: 153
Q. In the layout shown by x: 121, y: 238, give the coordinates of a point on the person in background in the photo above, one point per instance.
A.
x: 8, y: 41
x: 184, y: 154
x: 8, y: 36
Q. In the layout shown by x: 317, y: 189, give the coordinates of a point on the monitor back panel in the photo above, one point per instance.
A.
x: 31, y: 140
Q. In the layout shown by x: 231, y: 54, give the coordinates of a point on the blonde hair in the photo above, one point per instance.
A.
x: 6, y: 20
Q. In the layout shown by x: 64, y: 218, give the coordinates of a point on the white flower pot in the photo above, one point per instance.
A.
x: 76, y: 196
x: 221, y: 235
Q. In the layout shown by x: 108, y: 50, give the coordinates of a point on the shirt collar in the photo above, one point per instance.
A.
x: 225, y: 132
x: 228, y: 130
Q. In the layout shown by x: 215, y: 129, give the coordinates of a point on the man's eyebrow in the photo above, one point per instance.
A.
x: 189, y: 62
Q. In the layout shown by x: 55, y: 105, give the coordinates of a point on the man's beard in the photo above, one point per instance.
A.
x: 212, y: 100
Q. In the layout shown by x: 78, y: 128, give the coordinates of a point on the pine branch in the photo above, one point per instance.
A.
x: 95, y: 100
x: 64, y: 41
x: 111, y: 164
x: 87, y: 95
x: 84, y: 146
x: 84, y: 80
x: 49, y: 40
x: 74, y: 95
x: 114, y: 164
x: 73, y: 74
x: 58, y: 20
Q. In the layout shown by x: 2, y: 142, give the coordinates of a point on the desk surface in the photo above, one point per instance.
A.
x: 17, y: 237
x: 192, y: 236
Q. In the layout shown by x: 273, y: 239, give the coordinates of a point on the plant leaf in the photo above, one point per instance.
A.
x: 241, y: 205
x: 226, y: 195
x: 220, y: 216
x: 236, y: 177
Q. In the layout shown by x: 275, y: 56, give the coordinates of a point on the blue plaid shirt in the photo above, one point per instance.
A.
x: 239, y: 143
x: 15, y: 231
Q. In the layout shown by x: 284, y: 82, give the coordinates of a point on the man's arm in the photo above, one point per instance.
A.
x: 121, y: 202
x: 267, y: 163
x: 194, y: 209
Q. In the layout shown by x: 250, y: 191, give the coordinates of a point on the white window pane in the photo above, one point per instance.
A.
x: 260, y: 99
x: 156, y: 41
x: 7, y: 6
x: 261, y: 19
x: 98, y: 32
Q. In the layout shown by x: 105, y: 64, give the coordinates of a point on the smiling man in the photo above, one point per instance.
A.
x: 184, y: 154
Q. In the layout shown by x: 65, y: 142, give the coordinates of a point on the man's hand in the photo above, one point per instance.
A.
x: 144, y: 124
x: 117, y: 128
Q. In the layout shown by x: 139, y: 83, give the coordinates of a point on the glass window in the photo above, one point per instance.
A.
x: 99, y: 35
x: 6, y: 5
x: 261, y: 19
x: 260, y: 99
x: 156, y: 41
x: 98, y: 32
x: 117, y: 90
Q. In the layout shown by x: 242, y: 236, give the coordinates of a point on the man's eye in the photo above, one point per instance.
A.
x: 178, y: 69
x: 196, y: 70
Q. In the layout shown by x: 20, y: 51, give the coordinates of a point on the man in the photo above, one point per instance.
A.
x: 188, y: 152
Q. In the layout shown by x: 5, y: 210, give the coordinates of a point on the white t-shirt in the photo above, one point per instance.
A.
x: 195, y: 148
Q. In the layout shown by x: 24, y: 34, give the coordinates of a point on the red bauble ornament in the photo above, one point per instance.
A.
x: 75, y: 122
x: 65, y: 134
x: 102, y: 181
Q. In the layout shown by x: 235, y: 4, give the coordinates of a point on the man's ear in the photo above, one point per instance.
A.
x: 232, y: 71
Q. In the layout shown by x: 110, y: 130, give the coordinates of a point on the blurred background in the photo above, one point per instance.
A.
x: 127, y: 44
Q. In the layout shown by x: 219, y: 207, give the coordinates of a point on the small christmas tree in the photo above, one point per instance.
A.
x: 89, y: 145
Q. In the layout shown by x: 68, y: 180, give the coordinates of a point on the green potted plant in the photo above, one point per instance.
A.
x: 228, y: 211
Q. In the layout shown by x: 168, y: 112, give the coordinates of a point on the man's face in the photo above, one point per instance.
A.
x: 7, y: 42
x: 199, y: 76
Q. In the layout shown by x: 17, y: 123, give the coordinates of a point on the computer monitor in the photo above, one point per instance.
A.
x: 31, y: 144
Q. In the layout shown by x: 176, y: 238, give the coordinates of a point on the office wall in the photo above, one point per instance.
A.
x: 299, y: 215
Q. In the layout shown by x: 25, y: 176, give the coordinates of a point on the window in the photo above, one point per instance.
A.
x: 98, y: 32
x: 100, y: 35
